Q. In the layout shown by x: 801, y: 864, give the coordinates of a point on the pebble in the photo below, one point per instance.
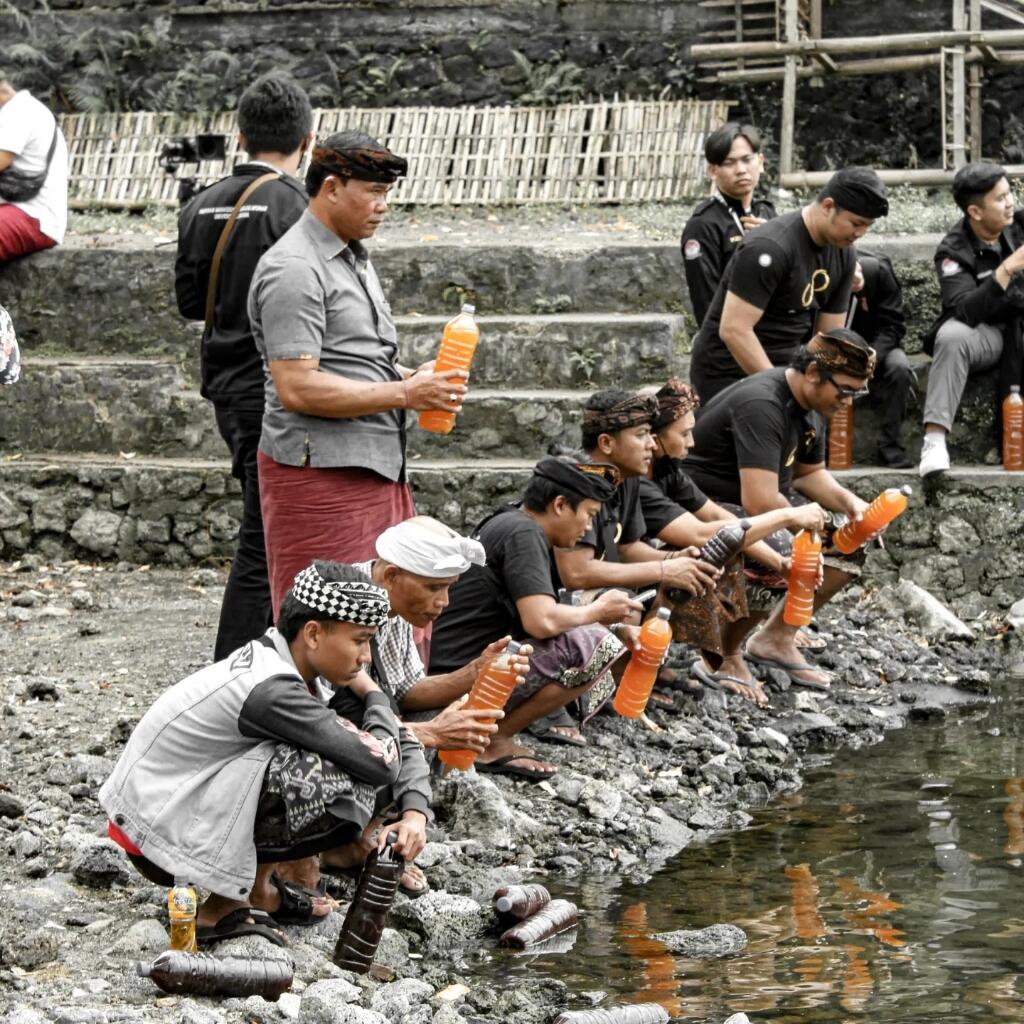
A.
x: 10, y: 806
x: 717, y: 940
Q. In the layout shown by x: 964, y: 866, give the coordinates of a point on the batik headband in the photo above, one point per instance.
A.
x: 631, y: 412
x: 675, y: 400
x: 361, y: 603
x: 362, y: 163
x: 841, y: 355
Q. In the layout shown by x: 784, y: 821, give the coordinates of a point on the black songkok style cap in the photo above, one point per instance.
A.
x: 973, y: 180
x: 352, y: 154
x: 576, y: 479
x: 719, y: 142
x: 859, y: 190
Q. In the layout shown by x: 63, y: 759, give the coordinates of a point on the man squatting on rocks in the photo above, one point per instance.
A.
x: 275, y: 128
x: 981, y: 324
x: 332, y: 452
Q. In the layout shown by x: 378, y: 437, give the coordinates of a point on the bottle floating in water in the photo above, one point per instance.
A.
x: 639, y: 1013
x: 803, y: 579
x: 364, y: 923
x: 182, y: 907
x: 201, y: 974
x: 520, y: 901
x: 724, y: 545
x: 1013, y: 430
x: 556, y: 917
x: 880, y: 513
x: 840, y: 438
x: 492, y: 689
x: 638, y: 680
x: 458, y: 345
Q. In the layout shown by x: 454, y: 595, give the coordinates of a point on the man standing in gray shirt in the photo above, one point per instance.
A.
x: 332, y: 452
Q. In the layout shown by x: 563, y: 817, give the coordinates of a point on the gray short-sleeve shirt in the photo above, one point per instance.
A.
x: 313, y: 296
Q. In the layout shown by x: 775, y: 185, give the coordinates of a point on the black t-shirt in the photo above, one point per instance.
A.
x: 673, y: 480
x: 658, y: 508
x: 772, y: 269
x: 481, y: 605
x: 619, y: 521
x: 755, y: 423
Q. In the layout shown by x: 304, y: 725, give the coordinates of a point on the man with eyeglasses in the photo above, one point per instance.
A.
x: 718, y: 224
x: 760, y: 445
x: 788, y: 279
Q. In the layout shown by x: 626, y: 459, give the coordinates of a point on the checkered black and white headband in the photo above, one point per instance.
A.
x: 364, y: 604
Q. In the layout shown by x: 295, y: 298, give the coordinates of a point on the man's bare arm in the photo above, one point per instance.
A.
x: 736, y: 329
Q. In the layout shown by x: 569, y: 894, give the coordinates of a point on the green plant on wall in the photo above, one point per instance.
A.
x: 548, y: 84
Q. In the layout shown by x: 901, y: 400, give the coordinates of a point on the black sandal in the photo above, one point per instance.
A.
x: 296, y: 903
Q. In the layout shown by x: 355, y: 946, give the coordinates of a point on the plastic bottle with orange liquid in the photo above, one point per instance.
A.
x: 182, y: 908
x: 458, y: 344
x: 879, y: 514
x: 638, y: 680
x: 492, y: 689
x: 840, y: 438
x: 1013, y: 430
x: 803, y: 579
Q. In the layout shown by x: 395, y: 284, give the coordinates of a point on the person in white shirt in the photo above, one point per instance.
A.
x: 30, y: 144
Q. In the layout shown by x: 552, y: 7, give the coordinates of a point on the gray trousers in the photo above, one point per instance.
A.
x: 959, y: 351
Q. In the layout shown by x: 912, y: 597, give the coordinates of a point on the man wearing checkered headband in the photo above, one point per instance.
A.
x: 246, y: 759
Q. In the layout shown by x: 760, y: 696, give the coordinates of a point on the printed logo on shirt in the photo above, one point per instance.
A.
x: 764, y: 260
x: 242, y: 660
x: 692, y: 249
x: 792, y: 458
x: 735, y: 238
x: 950, y: 267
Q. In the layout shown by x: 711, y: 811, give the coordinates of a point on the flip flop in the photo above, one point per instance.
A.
x: 714, y: 680
x: 548, y: 733
x: 296, y: 903
x: 789, y: 667
x: 243, y: 921
x: 504, y: 766
x: 808, y: 641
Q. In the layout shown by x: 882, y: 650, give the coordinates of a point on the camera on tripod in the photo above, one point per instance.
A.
x: 191, y: 149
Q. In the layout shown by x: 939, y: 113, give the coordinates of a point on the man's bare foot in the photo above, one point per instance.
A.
x: 267, y: 896
x: 413, y: 880
x: 305, y: 872
x: 778, y: 650
x: 351, y: 855
x: 504, y: 747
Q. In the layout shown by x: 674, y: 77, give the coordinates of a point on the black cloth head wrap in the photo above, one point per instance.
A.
x: 364, y: 163
x: 675, y: 400
x: 596, y: 480
x: 843, y: 355
x: 630, y: 412
x: 859, y: 190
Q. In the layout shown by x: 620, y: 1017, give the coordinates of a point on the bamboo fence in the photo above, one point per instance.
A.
x: 618, y: 151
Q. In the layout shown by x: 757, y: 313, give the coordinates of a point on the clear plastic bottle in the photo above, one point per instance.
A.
x: 890, y: 504
x: 492, y: 689
x: 458, y: 345
x: 840, y: 438
x: 638, y: 680
x: 1013, y: 430
x: 803, y: 579
x: 638, y: 1013
x: 726, y: 543
x: 201, y: 974
x: 182, y: 908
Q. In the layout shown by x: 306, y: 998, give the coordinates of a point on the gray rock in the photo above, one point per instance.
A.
x: 99, y: 864
x: 97, y: 531
x: 601, y: 800
x: 331, y: 1013
x: 28, y: 599
x: 738, y: 1018
x: 397, y: 1000
x: 191, y: 1012
x: 1015, y: 615
x: 82, y: 600
x: 27, y: 844
x: 146, y: 936
x: 29, y: 948
x: 442, y: 920
x: 800, y: 722
x: 322, y: 998
x: 477, y: 810
x: 707, y: 943
x: 24, y: 1015
x: 393, y: 949
x: 913, y: 604
x: 10, y: 806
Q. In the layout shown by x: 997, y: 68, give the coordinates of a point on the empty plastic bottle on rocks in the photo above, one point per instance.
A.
x: 491, y: 690
x: 880, y: 513
x: 364, y: 923
x: 182, y: 907
x: 1013, y: 430
x: 639, y: 1013
x: 520, y: 901
x: 725, y: 544
x: 556, y: 917
x: 638, y: 680
x: 840, y: 438
x: 200, y: 974
x: 803, y: 579
x: 458, y: 345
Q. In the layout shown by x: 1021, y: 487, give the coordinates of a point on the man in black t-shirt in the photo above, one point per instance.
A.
x: 718, y: 224
x: 762, y: 439
x: 515, y: 594
x: 788, y: 279
x: 275, y: 124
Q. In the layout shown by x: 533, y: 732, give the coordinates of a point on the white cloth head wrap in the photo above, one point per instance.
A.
x: 425, y: 547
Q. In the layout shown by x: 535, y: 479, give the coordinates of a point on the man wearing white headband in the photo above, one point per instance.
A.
x: 243, y: 765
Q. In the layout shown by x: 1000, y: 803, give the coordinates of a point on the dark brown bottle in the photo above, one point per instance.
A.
x: 364, y: 922
x: 520, y: 901
x: 639, y: 1013
x: 718, y: 550
x: 550, y: 920
x: 201, y: 974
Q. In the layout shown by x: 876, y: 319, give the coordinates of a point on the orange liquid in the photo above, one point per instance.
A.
x: 182, y: 905
x: 458, y: 345
x: 840, y: 439
x: 882, y: 511
x: 1013, y: 432
x: 803, y: 578
x: 491, y: 690
x: 638, y: 680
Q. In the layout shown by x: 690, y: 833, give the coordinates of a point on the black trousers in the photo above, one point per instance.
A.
x: 890, y: 392
x: 245, y: 612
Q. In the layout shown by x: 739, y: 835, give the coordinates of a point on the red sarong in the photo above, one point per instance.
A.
x: 335, y: 514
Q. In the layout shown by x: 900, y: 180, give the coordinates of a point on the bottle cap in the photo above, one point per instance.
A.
x: 744, y: 525
x: 181, y: 880
x: 503, y: 905
x: 468, y: 308
x: 143, y: 969
x: 1015, y: 389
x: 907, y: 490
x: 513, y: 647
x: 664, y: 613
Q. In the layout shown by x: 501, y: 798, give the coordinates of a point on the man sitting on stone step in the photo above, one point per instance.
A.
x: 515, y: 594
x: 760, y: 445
x: 332, y: 462
x: 980, y: 265
x: 275, y: 128
x: 788, y: 279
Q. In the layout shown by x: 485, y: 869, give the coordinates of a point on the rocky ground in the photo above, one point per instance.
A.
x: 86, y: 648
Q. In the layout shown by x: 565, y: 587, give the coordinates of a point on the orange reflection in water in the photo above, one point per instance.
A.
x: 1013, y: 815
x: 867, y: 918
x: 658, y: 963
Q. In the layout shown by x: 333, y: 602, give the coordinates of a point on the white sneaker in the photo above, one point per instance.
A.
x: 934, y: 456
